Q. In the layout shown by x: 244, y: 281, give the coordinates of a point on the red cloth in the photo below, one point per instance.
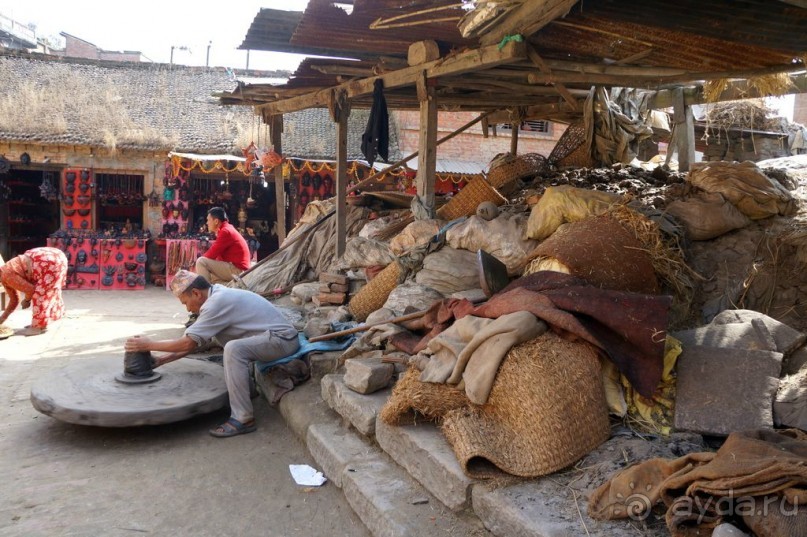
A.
x: 42, y: 285
x: 630, y: 328
x: 229, y: 246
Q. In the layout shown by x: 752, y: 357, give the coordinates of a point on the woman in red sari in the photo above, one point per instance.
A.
x: 39, y: 275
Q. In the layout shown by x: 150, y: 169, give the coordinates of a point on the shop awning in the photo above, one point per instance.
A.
x: 200, y: 157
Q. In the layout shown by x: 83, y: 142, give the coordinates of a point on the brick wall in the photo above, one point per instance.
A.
x: 471, y: 145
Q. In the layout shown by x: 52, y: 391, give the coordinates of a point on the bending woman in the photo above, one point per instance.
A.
x: 39, y: 275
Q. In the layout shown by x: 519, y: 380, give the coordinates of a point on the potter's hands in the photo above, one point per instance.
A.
x: 157, y: 361
x: 137, y: 344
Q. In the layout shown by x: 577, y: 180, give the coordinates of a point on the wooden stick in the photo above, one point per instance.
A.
x: 395, y: 320
x: 363, y: 327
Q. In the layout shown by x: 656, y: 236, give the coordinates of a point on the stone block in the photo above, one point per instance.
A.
x: 334, y: 446
x: 794, y: 362
x: 723, y: 390
x: 359, y: 410
x: 330, y: 277
x: 787, y: 339
x: 316, y: 326
x: 424, y: 452
x: 748, y: 336
x: 304, y: 406
x: 323, y: 363
x: 392, y: 504
x: 367, y: 375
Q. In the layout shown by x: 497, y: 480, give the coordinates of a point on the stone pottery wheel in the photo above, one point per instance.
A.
x: 94, y: 392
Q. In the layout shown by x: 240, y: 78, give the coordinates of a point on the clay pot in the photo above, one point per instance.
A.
x: 138, y: 364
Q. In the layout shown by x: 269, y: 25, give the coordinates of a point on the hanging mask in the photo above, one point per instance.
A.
x: 317, y: 181
x: 84, y: 187
x: 81, y: 257
x: 70, y: 177
x: 70, y: 188
x: 85, y: 176
x: 168, y: 194
x: 306, y: 179
x: 68, y: 201
x: 327, y: 184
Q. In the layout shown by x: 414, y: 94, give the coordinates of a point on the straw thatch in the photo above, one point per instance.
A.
x: 411, y: 397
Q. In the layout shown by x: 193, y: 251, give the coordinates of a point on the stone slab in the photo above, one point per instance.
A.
x: 392, y: 504
x: 334, y: 447
x: 720, y: 390
x: 787, y: 339
x: 794, y: 362
x: 542, y: 508
x: 359, y: 410
x: 86, y: 392
x: 731, y: 336
x: 424, y: 452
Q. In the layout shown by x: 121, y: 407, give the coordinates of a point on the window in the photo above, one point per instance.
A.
x: 536, y: 126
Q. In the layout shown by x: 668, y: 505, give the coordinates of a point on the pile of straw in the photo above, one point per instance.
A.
x: 430, y: 400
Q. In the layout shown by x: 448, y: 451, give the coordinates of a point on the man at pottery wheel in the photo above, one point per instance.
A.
x: 248, y: 326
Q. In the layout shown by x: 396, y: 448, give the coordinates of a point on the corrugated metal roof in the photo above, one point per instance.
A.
x: 648, y: 38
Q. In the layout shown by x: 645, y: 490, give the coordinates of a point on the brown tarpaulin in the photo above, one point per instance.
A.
x: 630, y: 328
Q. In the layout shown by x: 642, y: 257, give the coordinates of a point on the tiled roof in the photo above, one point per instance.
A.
x: 148, y: 106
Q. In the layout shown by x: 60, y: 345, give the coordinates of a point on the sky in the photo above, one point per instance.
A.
x: 153, y: 27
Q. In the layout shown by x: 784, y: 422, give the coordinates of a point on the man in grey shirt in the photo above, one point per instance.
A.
x: 248, y: 326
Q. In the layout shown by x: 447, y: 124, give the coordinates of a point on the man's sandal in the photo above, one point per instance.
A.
x: 233, y: 427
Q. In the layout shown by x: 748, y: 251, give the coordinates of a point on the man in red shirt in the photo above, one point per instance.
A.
x: 229, y: 254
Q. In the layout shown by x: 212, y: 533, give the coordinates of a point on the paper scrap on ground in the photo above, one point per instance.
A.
x: 305, y: 475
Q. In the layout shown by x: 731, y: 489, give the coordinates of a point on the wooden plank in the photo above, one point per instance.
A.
x: 527, y: 18
x: 516, y: 125
x: 276, y: 135
x: 464, y: 62
x: 737, y: 89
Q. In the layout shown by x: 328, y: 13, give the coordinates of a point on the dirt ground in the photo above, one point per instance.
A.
x: 69, y: 480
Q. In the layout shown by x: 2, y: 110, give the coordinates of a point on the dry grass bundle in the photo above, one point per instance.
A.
x: 713, y: 89
x: 750, y: 114
x: 431, y: 400
x: 771, y: 85
x: 666, y: 255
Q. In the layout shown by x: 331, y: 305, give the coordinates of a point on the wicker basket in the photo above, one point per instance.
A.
x: 571, y: 149
x: 546, y: 410
x: 465, y: 202
x: 506, y: 168
x: 372, y: 296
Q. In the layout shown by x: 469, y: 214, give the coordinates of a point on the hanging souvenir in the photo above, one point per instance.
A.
x: 168, y: 194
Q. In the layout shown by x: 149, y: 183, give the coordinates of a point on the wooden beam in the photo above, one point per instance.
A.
x: 464, y: 62
x: 427, y: 146
x: 737, y: 89
x: 546, y: 111
x: 526, y: 19
x: 684, y: 131
x: 341, y: 114
x: 539, y: 62
x: 275, y: 134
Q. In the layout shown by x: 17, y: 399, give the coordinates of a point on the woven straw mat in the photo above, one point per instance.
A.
x: 372, y: 296
x: 546, y: 410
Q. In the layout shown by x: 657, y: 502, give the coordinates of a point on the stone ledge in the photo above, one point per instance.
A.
x: 424, y: 452
x: 334, y: 447
x: 359, y: 410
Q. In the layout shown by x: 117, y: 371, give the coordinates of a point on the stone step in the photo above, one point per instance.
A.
x: 423, y: 451
x: 359, y: 410
x: 383, y: 495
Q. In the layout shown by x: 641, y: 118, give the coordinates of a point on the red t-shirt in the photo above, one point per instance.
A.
x: 229, y: 246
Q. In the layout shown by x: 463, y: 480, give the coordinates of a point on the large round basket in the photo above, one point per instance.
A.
x: 546, y: 410
x: 465, y: 202
x: 372, y: 296
x: 506, y: 167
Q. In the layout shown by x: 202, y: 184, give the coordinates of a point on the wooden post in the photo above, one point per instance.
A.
x: 514, y: 137
x: 427, y: 145
x: 340, y: 111
x: 276, y: 132
x: 684, y: 131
